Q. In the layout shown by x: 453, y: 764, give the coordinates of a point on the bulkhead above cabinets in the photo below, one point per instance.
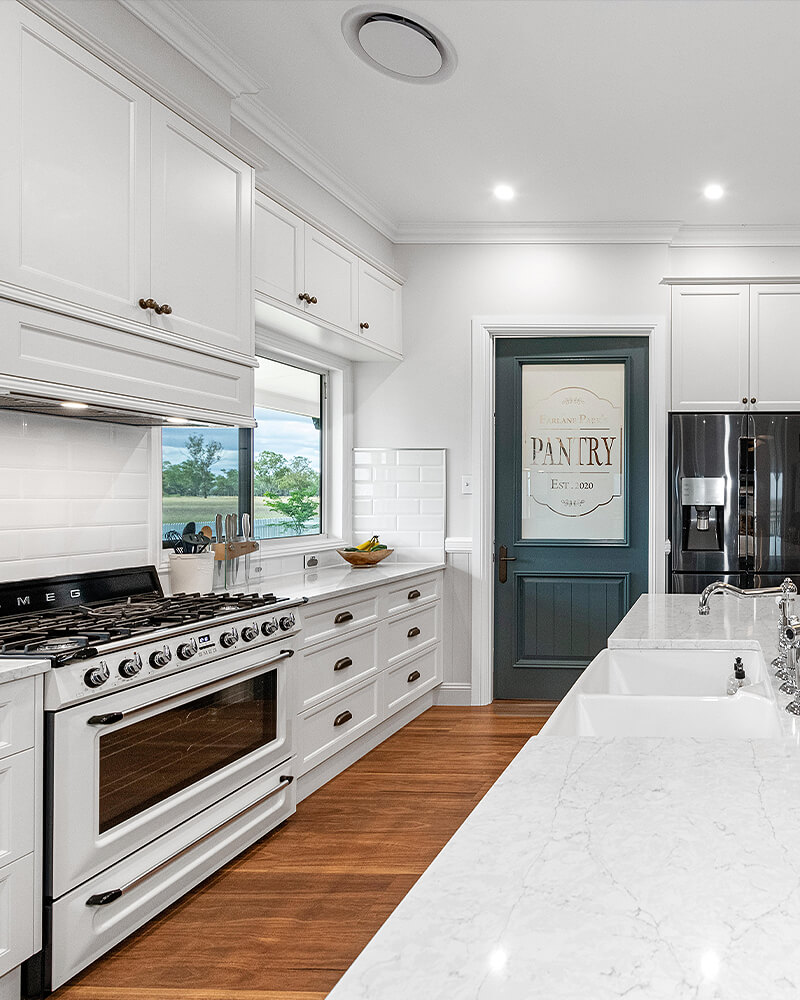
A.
x: 319, y: 291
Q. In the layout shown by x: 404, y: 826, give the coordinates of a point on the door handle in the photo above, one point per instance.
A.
x: 502, y: 559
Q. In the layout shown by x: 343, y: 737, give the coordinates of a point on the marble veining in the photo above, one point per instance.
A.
x: 13, y: 670
x: 597, y: 869
x: 335, y: 581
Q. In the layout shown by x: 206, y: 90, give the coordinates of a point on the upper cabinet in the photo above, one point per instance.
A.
x: 110, y: 200
x: 730, y: 345
x: 349, y: 306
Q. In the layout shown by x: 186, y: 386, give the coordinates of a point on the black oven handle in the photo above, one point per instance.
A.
x: 111, y: 717
x: 111, y: 895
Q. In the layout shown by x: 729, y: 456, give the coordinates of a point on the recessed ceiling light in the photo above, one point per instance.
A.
x: 504, y: 192
x: 393, y: 42
x: 68, y: 405
x: 713, y: 191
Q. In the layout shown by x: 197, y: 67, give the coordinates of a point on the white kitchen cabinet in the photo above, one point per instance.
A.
x: 108, y: 198
x: 379, y: 308
x: 774, y: 335
x: 313, y: 288
x: 730, y: 345
x: 710, y: 347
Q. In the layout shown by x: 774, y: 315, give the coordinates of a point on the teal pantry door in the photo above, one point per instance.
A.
x: 571, y: 504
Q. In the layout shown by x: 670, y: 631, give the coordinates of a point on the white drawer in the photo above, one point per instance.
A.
x: 408, y: 680
x: 325, y: 730
x: 412, y: 593
x: 17, y: 922
x: 331, y: 667
x: 412, y: 631
x: 338, y: 616
x: 17, y: 715
x: 18, y: 791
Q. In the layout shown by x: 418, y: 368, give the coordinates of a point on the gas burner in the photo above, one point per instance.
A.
x: 58, y: 646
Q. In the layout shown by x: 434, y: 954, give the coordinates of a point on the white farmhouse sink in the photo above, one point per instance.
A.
x: 668, y: 692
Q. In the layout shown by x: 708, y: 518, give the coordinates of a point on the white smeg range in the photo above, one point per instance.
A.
x: 168, y: 745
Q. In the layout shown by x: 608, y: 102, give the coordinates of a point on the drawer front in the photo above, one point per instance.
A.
x: 413, y: 593
x: 17, y: 715
x: 328, y: 669
x: 17, y: 935
x: 18, y: 791
x: 408, y: 680
x: 339, y: 616
x: 325, y: 730
x: 412, y: 631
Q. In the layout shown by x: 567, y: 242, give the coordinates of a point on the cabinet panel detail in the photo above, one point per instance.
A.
x: 774, y: 334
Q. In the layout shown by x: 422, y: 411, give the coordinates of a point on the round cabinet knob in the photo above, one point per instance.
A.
x: 287, y: 622
x: 744, y: 399
x: 161, y: 657
x: 96, y: 676
x: 228, y: 639
x: 269, y: 627
x: 364, y: 326
x: 187, y: 650
x: 249, y: 632
x: 131, y: 666
x: 752, y: 399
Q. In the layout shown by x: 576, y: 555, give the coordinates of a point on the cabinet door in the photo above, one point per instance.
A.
x: 710, y: 347
x: 379, y: 308
x: 774, y: 334
x: 278, y: 252
x: 331, y: 278
x: 74, y: 173
x: 201, y: 260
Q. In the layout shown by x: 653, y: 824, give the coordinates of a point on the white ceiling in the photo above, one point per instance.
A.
x: 594, y: 110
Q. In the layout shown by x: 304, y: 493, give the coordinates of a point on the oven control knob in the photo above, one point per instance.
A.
x: 269, y: 627
x: 97, y: 675
x: 249, y: 632
x: 287, y: 622
x: 130, y: 667
x: 228, y: 639
x: 186, y: 650
x: 161, y: 657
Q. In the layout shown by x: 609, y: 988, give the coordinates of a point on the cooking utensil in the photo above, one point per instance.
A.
x: 189, y: 530
x: 218, y: 525
x: 245, y: 539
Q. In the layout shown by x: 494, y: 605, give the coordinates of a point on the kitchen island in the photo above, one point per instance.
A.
x: 603, y: 868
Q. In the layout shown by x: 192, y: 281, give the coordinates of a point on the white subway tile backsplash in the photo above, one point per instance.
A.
x: 420, y: 522
x: 75, y: 492
x: 373, y: 525
x: 395, y: 506
x: 431, y: 456
x: 363, y: 490
x: 363, y: 507
x: 362, y: 475
x: 431, y: 474
x: 396, y: 474
x: 420, y: 489
x: 431, y: 506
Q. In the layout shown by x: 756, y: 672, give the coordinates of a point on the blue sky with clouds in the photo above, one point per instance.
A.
x: 286, y: 433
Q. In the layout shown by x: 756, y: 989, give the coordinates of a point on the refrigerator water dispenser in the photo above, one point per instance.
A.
x: 703, y: 507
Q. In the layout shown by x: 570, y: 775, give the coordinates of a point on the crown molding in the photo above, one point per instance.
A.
x: 537, y: 232
x: 783, y: 279
x: 183, y: 32
x: 737, y: 236
x: 249, y: 112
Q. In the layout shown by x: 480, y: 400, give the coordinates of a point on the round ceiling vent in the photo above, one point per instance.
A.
x: 399, y: 45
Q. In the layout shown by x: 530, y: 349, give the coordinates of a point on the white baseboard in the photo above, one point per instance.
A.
x: 453, y: 694
x: 322, y: 773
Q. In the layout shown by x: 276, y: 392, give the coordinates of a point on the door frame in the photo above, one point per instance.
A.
x: 485, y: 331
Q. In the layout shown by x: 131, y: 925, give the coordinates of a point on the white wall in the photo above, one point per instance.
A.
x: 425, y: 401
x: 74, y: 496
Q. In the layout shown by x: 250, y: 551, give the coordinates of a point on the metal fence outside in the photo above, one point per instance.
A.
x: 263, y: 527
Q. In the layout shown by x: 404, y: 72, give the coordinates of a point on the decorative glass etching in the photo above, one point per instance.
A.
x: 573, y: 417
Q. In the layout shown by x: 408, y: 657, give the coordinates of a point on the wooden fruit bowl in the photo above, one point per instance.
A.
x: 363, y: 560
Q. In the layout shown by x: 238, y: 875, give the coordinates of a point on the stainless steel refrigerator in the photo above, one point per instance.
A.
x: 734, y: 499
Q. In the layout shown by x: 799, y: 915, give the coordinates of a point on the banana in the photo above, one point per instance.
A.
x: 368, y: 545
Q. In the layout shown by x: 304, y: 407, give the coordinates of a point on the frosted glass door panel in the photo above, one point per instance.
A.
x: 573, y: 419
x: 75, y: 170
x: 201, y: 223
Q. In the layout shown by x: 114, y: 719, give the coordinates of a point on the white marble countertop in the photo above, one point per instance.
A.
x: 343, y: 580
x: 609, y: 868
x: 13, y: 669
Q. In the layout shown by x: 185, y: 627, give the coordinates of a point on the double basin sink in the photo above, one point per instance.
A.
x: 668, y: 692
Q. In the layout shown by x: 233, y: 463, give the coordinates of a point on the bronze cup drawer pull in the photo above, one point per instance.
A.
x: 414, y: 676
x: 413, y: 632
x: 343, y: 664
x: 342, y: 617
x: 342, y: 717
x: 413, y: 595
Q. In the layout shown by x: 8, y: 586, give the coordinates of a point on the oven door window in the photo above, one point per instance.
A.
x: 146, y: 762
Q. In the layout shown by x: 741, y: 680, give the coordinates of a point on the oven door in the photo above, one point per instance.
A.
x: 128, y: 767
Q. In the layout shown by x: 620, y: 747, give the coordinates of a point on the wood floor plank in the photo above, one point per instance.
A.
x: 285, y: 919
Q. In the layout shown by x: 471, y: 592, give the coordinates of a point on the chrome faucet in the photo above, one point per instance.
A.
x: 786, y: 589
x: 792, y: 637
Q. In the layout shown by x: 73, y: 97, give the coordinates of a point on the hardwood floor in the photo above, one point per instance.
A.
x: 284, y: 920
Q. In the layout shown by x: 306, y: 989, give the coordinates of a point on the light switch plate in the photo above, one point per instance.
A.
x: 466, y: 485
